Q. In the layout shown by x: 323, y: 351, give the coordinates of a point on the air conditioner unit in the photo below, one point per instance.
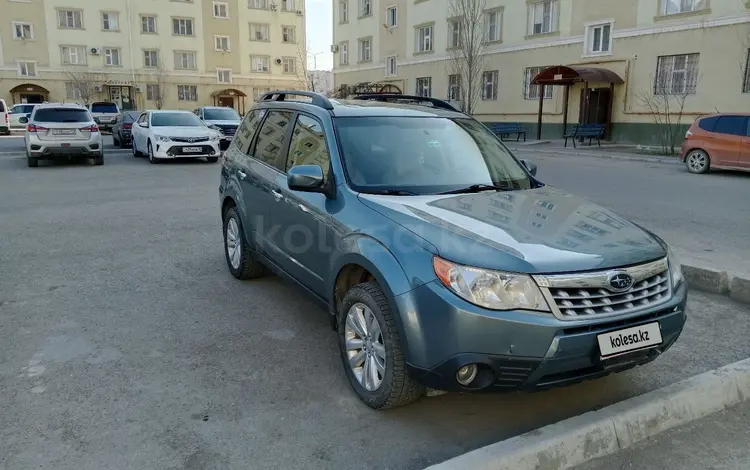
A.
x: 278, y: 61
x: 95, y: 50
x: 98, y: 88
x: 274, y: 7
x: 334, y: 48
x: 138, y: 89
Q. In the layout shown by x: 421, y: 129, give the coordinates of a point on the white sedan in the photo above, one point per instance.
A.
x: 163, y: 135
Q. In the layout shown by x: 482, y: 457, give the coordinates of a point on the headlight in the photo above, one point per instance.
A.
x: 161, y: 138
x: 215, y: 138
x: 495, y: 290
x: 675, y: 268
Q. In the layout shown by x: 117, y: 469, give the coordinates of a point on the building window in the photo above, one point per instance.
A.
x: 493, y: 25
x: 542, y: 17
x: 598, y: 39
x: 454, y: 87
x: 23, y: 30
x: 454, y: 33
x: 73, y: 55
x: 288, y: 34
x: 391, y: 17
x: 424, y: 38
x: 489, y: 85
x: 365, y: 7
x: 184, y: 60
x: 110, y: 21
x: 187, y: 92
x: 112, y: 56
x: 70, y: 19
x: 222, y: 43
x: 673, y: 7
x: 148, y: 24
x: 258, y: 4
x: 344, y: 12
x: 27, y: 69
x: 289, y: 64
x: 151, y: 58
x: 221, y: 10
x: 287, y: 5
x: 746, y: 82
x: 260, y: 63
x: 72, y: 91
x: 152, y: 92
x: 182, y: 27
x: 676, y: 75
x: 424, y: 87
x: 365, y: 50
x: 223, y: 76
x: 531, y: 92
x: 391, y: 68
x: 344, y: 53
x: 259, y: 32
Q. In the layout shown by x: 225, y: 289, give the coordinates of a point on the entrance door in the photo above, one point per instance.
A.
x: 115, y: 96
x: 31, y: 98
x: 595, y: 109
x: 226, y: 101
x: 127, y: 99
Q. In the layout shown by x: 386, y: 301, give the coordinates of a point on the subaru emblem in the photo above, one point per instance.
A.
x: 620, y: 281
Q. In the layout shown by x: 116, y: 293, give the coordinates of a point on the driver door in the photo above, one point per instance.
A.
x: 139, y: 132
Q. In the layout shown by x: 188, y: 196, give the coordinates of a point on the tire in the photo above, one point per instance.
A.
x: 697, y: 161
x: 212, y: 159
x: 243, y: 266
x: 136, y: 153
x: 116, y: 142
x: 397, y: 387
x: 32, y: 162
x: 121, y: 142
x: 151, y: 159
x: 99, y: 160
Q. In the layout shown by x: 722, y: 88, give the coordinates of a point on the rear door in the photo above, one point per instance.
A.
x: 725, y: 142
x: 62, y: 124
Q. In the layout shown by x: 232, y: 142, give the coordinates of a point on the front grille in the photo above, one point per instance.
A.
x: 177, y: 150
x: 228, y: 130
x: 188, y: 140
x: 586, y: 295
x: 511, y: 374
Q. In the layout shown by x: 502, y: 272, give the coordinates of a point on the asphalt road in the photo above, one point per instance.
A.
x: 706, y: 217
x: 126, y: 343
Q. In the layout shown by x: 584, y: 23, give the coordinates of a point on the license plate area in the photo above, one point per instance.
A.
x: 636, y: 338
x: 63, y: 131
x: 192, y: 149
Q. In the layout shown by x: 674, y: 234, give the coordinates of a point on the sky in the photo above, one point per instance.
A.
x: 319, y: 27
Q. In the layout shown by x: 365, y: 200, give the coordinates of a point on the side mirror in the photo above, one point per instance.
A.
x: 23, y: 120
x: 306, y: 178
x: 531, y: 166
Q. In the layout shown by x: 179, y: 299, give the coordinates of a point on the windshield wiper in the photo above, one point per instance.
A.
x: 476, y: 188
x: 394, y: 192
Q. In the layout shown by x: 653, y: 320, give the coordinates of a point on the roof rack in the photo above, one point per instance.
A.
x: 280, y: 95
x: 394, y: 97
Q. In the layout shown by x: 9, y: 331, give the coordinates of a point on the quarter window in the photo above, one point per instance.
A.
x: 308, y: 145
x: 271, y: 137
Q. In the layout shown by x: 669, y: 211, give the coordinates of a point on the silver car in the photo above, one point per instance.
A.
x: 62, y: 130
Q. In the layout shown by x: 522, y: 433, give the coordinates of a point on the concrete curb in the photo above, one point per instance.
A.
x: 599, y: 433
x: 717, y: 282
x: 613, y: 156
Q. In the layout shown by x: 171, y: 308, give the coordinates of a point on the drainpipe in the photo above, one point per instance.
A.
x: 130, y: 46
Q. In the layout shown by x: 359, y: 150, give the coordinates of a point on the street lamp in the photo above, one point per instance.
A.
x: 311, y: 77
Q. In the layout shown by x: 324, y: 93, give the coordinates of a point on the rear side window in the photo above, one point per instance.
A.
x: 61, y: 115
x: 708, y: 124
x: 271, y: 137
x: 246, y: 131
x: 308, y: 145
x: 732, y: 125
x: 104, y: 108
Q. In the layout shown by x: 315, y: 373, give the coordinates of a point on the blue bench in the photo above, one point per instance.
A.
x: 503, y: 129
x: 592, y: 131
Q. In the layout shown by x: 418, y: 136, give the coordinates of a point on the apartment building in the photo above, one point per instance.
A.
x: 142, y: 54
x: 619, y: 57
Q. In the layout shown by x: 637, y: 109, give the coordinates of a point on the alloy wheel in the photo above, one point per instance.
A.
x: 697, y: 161
x: 234, y: 245
x: 364, y: 347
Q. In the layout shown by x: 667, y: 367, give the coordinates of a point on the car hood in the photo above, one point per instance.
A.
x: 542, y: 230
x: 184, y: 131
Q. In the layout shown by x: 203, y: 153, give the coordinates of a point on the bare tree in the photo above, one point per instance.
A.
x: 86, y: 84
x: 743, y: 33
x: 304, y: 74
x: 665, y: 102
x: 159, y: 89
x: 467, y: 38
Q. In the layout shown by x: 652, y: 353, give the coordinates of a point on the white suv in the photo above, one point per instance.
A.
x: 164, y: 135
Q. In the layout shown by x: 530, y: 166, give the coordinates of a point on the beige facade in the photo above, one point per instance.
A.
x: 701, y: 46
x: 188, y: 53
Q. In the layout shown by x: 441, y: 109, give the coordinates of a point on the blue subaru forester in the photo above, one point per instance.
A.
x: 443, y: 261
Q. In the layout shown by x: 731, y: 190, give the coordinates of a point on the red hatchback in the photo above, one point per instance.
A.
x: 718, y: 141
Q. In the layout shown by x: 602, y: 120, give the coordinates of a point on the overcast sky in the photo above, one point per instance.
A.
x: 319, y: 33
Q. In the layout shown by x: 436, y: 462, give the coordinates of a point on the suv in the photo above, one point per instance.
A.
x: 718, y: 141
x: 105, y: 114
x: 4, y: 118
x: 223, y: 119
x: 61, y: 130
x: 443, y: 261
x: 17, y: 111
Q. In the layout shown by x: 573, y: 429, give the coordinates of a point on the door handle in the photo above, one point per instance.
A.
x: 242, y: 174
x: 277, y: 195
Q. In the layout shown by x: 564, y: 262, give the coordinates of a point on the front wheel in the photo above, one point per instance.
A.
x: 151, y: 157
x: 697, y: 161
x: 371, y: 352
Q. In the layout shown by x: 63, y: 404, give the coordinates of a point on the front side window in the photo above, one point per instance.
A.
x: 425, y: 155
x: 187, y: 93
x: 542, y: 16
x: 673, y: 7
x: 271, y: 137
x: 676, y: 75
x: 308, y: 145
x: 531, y: 92
x: 489, y: 85
x: 731, y: 125
x: 110, y: 21
x: 424, y: 38
x: 424, y: 86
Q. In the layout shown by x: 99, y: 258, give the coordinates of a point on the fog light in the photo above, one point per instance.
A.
x: 466, y: 374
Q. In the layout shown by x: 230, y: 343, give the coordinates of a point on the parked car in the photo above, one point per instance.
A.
x: 717, y: 141
x: 105, y: 114
x: 62, y: 130
x: 17, y: 111
x: 166, y: 135
x: 4, y: 118
x: 443, y: 261
x: 223, y: 119
x: 123, y: 126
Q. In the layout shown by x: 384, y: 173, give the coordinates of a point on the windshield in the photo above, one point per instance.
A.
x: 425, y: 155
x: 175, y: 119
x: 104, y: 108
x: 222, y: 114
x: 61, y: 115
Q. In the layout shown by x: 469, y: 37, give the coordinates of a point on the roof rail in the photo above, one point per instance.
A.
x: 280, y: 95
x: 391, y: 97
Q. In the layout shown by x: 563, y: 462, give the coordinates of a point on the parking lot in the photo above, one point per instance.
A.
x: 126, y: 343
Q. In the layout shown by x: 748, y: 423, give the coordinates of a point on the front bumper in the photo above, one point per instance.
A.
x: 518, y: 350
x: 165, y: 150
